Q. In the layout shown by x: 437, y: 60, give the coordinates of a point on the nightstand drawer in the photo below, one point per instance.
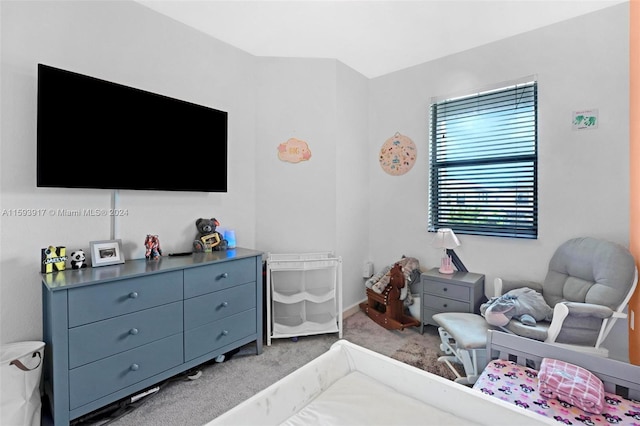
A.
x: 108, y: 300
x: 214, y: 306
x: 209, y: 337
x: 95, y: 380
x: 448, y: 290
x: 207, y: 279
x: 102, y: 339
x: 442, y: 304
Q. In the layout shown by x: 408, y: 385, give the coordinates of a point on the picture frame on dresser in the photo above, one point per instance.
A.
x: 106, y: 252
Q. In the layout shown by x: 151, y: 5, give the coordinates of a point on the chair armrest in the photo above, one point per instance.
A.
x: 502, y: 286
x: 588, y: 310
x: 562, y: 310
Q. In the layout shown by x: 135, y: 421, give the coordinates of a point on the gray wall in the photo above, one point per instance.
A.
x: 129, y: 44
x: 339, y: 200
x: 583, y: 185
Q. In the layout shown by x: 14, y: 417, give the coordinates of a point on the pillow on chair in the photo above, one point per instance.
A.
x: 571, y: 383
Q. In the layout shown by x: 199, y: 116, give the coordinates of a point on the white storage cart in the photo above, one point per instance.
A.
x: 304, y: 295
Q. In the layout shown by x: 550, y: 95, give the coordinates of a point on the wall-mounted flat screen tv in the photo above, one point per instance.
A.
x: 93, y: 133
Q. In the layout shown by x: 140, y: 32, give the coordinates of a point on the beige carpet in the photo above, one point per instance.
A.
x: 408, y: 345
x: 425, y: 358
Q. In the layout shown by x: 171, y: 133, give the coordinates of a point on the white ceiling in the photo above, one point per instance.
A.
x: 372, y: 37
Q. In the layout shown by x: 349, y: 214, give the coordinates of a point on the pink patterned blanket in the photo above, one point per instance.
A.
x: 519, y: 385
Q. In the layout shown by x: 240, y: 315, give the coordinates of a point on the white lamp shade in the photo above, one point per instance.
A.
x: 445, y: 238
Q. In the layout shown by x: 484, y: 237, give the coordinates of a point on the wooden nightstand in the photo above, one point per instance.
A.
x: 457, y: 292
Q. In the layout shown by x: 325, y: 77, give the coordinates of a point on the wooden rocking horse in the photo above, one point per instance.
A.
x: 386, y: 309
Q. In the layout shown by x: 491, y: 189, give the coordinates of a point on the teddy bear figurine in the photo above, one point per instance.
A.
x: 78, y: 260
x: 207, y: 238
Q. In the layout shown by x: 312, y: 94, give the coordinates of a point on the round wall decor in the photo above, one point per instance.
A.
x: 397, y: 155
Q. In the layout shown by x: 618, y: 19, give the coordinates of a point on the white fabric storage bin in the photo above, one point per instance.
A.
x: 20, y: 373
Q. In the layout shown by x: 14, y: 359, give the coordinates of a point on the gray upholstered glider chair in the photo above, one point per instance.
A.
x: 588, y: 285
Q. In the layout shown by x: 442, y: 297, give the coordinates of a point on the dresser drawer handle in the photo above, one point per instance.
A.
x: 225, y: 332
x: 133, y: 294
x: 134, y: 367
x: 445, y: 305
x: 133, y: 331
x: 224, y: 275
x: 444, y: 289
x: 224, y: 304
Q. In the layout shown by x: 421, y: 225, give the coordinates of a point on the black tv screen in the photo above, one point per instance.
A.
x: 92, y: 133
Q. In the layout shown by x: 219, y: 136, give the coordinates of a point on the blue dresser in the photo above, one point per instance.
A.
x: 115, y: 330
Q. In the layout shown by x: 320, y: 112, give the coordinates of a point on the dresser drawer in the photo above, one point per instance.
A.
x: 427, y: 317
x: 214, y: 306
x: 209, y: 337
x: 210, y: 278
x: 88, y: 343
x: 442, y: 304
x: 448, y: 290
x: 100, y: 378
x: 102, y: 301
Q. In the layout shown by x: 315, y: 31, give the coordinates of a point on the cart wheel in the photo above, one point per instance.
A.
x: 294, y: 339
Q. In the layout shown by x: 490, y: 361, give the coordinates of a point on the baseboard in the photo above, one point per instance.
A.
x: 352, y: 309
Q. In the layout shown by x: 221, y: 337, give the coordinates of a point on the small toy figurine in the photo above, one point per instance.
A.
x: 152, y: 244
x: 78, y: 260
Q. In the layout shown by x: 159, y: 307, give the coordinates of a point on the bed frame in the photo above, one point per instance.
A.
x: 353, y: 385
x: 618, y: 377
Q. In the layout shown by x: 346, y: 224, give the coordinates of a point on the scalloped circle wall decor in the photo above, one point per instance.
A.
x: 294, y: 150
x: 398, y: 155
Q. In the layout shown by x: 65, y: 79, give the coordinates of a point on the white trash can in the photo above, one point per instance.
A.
x: 20, y: 373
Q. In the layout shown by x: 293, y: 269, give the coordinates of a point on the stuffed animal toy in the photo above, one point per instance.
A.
x: 411, y: 271
x: 207, y: 238
x: 523, y: 304
x: 152, y: 245
x: 78, y: 260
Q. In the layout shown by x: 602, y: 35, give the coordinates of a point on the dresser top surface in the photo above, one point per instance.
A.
x: 138, y: 267
x: 462, y: 277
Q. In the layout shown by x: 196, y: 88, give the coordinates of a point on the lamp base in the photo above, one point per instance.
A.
x: 446, y: 271
x: 445, y: 265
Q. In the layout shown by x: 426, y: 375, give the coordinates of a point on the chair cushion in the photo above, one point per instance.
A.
x: 535, y: 332
x: 468, y: 330
x: 589, y: 270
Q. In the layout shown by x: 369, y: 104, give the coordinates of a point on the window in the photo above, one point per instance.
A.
x: 483, y: 153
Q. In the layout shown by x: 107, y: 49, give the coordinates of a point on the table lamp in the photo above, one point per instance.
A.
x: 446, y: 239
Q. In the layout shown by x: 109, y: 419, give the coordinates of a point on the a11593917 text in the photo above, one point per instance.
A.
x: 37, y: 212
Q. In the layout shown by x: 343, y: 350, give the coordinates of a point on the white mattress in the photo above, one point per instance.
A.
x: 352, y: 385
x: 357, y: 399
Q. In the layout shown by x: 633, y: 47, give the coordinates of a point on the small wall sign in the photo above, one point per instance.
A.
x: 586, y: 119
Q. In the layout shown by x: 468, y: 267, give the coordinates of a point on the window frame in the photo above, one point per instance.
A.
x: 506, y: 208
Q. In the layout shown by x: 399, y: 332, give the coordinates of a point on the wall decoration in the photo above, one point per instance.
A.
x: 53, y: 258
x: 106, y: 252
x: 294, y: 150
x: 397, y: 155
x: 587, y: 119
